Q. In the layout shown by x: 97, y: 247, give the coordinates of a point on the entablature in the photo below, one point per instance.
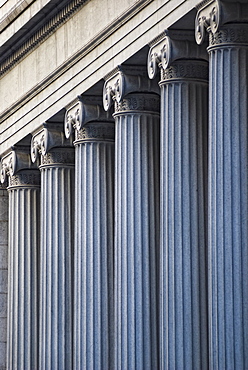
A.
x: 55, y: 75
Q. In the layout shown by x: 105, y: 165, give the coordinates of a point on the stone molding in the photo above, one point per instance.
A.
x: 228, y: 35
x: 13, y: 13
x: 24, y: 179
x: 58, y: 157
x: 125, y: 80
x: 214, y: 14
x: 49, y: 137
x: 95, y: 132
x: 138, y: 103
x: 58, y: 20
x: 43, y: 33
x: 193, y: 69
x: 17, y: 159
x: 83, y: 111
x: 175, y: 46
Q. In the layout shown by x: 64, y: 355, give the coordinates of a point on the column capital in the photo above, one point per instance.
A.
x: 49, y: 137
x: 89, y: 120
x: 213, y: 14
x: 17, y: 159
x: 125, y: 80
x: 172, y: 46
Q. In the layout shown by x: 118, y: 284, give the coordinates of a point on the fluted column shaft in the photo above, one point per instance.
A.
x: 3, y: 274
x: 136, y: 230
x: 94, y: 237
x: 184, y: 94
x: 24, y: 200
x: 56, y: 298
x: 228, y: 198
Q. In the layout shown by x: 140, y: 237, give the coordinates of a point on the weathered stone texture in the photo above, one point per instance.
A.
x: 3, y: 275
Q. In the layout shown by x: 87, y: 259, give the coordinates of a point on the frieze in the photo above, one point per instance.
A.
x: 183, y: 70
x: 96, y: 132
x: 41, y: 34
x: 138, y: 103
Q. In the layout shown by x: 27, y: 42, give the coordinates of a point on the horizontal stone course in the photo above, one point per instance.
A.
x: 3, y: 329
x: 3, y: 305
x: 4, y: 234
x: 3, y: 254
x: 2, y: 355
x: 3, y: 281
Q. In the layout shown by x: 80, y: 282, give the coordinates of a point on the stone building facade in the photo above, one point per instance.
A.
x: 124, y: 179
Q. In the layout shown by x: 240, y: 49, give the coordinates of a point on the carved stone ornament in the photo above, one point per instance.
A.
x: 48, y: 137
x: 159, y: 56
x: 236, y: 34
x: 25, y: 178
x: 58, y: 157
x: 15, y: 160
x: 213, y: 14
x: 138, y: 103
x: 84, y: 110
x: 92, y: 132
x: 124, y: 81
x: 174, y: 46
x: 193, y: 69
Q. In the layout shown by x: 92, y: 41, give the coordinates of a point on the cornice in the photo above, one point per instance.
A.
x: 58, y: 20
x: 14, y: 12
x: 214, y: 14
x: 126, y: 80
x: 174, y: 46
x: 75, y: 58
x: 41, y: 35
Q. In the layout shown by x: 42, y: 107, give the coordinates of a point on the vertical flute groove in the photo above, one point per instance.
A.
x: 56, y: 265
x: 228, y: 205
x: 136, y: 236
x: 183, y: 226
x: 93, y: 326
x: 23, y: 277
x: 4, y: 269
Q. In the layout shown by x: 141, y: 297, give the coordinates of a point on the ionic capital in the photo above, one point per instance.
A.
x: 212, y: 14
x: 50, y: 136
x: 17, y: 159
x: 173, y: 46
x: 83, y: 111
x: 125, y: 80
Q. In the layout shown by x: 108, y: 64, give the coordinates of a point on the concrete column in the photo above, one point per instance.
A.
x: 3, y: 274
x: 136, y: 216
x: 228, y: 181
x: 183, y: 280
x: 23, y: 313
x: 94, y: 219
x: 57, y: 199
